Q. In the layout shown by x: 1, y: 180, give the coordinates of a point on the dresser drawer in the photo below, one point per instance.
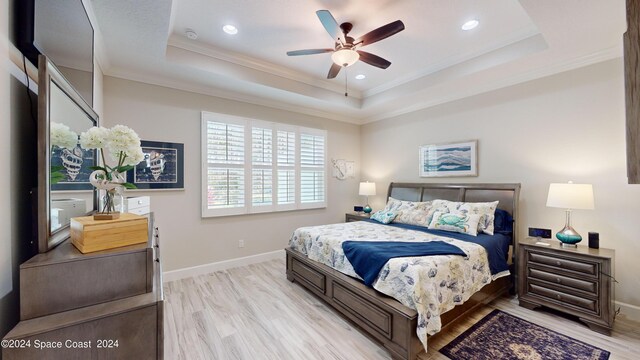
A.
x: 140, y: 205
x: 562, y: 298
x: 584, y: 285
x: 582, y: 267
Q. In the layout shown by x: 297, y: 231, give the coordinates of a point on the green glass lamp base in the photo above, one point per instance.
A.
x: 568, y: 236
x: 367, y: 209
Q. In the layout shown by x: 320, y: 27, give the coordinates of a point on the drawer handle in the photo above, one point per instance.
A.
x: 158, y: 260
x: 559, y: 297
x: 558, y: 263
x: 558, y: 280
x: 139, y: 202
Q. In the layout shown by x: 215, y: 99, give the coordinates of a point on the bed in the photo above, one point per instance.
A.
x: 384, y: 318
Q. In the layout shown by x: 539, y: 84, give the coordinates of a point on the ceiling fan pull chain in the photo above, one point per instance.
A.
x: 346, y: 79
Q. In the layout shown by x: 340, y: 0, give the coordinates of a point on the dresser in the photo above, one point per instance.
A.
x: 100, y: 305
x: 577, y: 281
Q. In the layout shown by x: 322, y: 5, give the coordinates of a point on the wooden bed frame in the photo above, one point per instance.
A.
x: 382, y: 317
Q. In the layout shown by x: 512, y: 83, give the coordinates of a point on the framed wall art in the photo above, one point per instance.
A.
x: 449, y: 160
x: 162, y: 167
x: 70, y: 168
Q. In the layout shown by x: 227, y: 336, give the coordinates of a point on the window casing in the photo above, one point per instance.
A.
x: 253, y: 166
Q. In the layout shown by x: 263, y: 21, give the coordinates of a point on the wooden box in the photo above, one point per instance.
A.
x: 89, y: 235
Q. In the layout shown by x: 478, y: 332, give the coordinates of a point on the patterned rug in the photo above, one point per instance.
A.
x: 500, y: 336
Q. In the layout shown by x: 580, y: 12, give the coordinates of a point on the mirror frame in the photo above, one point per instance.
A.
x: 48, y: 73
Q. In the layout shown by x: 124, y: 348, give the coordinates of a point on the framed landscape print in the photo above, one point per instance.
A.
x: 452, y: 159
x: 162, y: 167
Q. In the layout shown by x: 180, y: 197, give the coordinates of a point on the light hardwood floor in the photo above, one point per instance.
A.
x: 254, y: 312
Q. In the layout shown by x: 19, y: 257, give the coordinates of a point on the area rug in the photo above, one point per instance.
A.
x: 500, y: 336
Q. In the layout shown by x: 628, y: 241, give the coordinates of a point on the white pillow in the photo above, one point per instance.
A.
x: 456, y: 222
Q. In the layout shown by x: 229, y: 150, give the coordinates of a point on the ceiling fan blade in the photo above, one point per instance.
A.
x: 333, y: 71
x: 308, y: 52
x: 330, y: 24
x: 380, y: 33
x: 373, y: 60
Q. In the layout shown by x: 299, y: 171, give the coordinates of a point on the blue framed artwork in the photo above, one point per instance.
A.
x: 162, y: 167
x: 448, y: 160
x: 70, y: 168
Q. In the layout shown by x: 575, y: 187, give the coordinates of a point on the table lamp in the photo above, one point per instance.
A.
x: 366, y: 189
x: 570, y: 196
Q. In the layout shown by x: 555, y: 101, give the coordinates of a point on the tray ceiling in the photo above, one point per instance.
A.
x: 433, y: 60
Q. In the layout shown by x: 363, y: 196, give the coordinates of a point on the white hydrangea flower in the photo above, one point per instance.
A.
x: 121, y: 139
x: 94, y: 138
x: 62, y: 136
x: 134, y: 156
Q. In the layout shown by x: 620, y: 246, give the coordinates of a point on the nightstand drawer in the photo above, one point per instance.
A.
x: 582, y: 267
x: 562, y: 298
x: 588, y: 286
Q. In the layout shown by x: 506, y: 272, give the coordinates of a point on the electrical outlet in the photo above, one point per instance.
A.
x: 240, y: 243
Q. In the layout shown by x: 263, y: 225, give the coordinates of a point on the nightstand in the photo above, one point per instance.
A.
x: 349, y: 217
x: 577, y: 281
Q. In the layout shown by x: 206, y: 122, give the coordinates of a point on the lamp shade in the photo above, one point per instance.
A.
x: 570, y: 196
x: 367, y: 188
x: 345, y: 57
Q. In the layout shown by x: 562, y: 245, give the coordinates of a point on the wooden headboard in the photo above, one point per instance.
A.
x: 506, y: 194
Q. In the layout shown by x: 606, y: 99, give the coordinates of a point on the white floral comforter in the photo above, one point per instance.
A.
x: 431, y: 285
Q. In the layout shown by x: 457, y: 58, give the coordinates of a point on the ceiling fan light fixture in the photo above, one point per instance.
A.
x: 470, y: 25
x: 345, y: 57
x: 230, y: 29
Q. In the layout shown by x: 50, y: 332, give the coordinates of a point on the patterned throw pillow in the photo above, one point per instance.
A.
x: 410, y: 212
x: 383, y: 216
x: 486, y: 210
x: 456, y: 222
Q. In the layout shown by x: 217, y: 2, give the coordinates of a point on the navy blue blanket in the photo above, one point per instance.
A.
x: 497, y: 245
x: 368, y: 257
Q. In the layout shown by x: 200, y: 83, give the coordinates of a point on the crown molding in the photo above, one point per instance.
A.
x: 380, y: 112
x: 586, y: 60
x: 226, y: 94
x: 525, y: 33
x: 256, y: 64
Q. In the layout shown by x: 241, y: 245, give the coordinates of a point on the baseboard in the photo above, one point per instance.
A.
x: 220, y: 265
x: 631, y: 312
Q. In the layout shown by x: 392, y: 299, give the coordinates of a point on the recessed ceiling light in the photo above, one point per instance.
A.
x: 230, y: 29
x: 191, y: 34
x: 360, y: 76
x: 469, y: 25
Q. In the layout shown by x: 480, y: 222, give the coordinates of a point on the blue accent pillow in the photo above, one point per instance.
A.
x: 383, y: 216
x: 503, y: 222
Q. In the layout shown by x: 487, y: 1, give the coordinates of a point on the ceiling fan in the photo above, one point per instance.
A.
x: 345, y: 52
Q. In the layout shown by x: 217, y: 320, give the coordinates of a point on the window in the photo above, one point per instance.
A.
x: 252, y: 166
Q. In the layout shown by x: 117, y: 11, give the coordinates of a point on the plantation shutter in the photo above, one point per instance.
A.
x: 286, y: 167
x: 225, y: 153
x: 312, y: 168
x: 252, y: 166
x: 262, y: 166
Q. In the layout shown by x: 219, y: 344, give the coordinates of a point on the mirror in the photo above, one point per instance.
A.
x: 64, y: 190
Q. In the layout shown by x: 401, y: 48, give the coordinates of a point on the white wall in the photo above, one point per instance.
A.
x: 569, y: 126
x: 163, y: 114
x: 5, y: 228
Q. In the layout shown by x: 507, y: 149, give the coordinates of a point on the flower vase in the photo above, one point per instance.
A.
x: 112, y: 199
